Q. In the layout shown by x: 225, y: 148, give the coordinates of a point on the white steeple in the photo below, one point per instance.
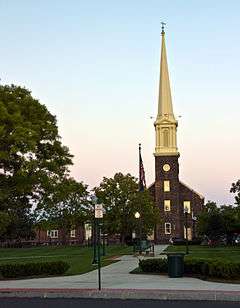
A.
x: 165, y: 124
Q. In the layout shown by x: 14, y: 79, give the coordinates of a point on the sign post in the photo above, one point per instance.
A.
x: 98, y: 216
x: 94, y: 232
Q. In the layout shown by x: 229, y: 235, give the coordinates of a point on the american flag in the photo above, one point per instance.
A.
x: 142, y: 180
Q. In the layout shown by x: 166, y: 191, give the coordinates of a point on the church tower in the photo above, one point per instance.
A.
x: 165, y: 124
x: 170, y: 195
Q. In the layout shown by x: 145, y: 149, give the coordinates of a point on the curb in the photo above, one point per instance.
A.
x: 196, y: 295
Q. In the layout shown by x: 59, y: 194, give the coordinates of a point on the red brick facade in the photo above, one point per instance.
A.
x: 178, y: 193
x: 56, y: 237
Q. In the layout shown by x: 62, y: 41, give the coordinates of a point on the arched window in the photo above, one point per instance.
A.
x: 165, y: 138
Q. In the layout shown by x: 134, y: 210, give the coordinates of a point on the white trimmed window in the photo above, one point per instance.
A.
x: 168, y: 228
x: 167, y: 205
x: 187, y: 207
x: 52, y: 233
x: 166, y: 186
x: 73, y: 233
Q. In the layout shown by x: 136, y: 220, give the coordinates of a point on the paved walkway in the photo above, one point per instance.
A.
x: 116, y: 276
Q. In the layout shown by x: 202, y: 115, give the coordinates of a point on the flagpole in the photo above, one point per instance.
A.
x: 139, y: 151
x: 140, y: 189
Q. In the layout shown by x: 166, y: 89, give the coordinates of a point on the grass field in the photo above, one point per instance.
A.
x: 222, y: 252
x: 79, y: 258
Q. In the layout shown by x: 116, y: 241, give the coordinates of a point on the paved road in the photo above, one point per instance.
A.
x: 97, y: 303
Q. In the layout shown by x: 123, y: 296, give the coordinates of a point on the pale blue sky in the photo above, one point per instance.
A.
x: 95, y: 64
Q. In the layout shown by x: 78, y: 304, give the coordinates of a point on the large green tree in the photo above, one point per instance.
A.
x: 65, y: 207
x: 216, y: 221
x: 121, y: 200
x: 32, y: 157
x: 210, y: 222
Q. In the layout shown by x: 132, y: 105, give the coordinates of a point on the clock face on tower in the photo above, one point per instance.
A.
x: 166, y: 167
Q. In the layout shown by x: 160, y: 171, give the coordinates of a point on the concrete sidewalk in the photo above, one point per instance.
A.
x: 116, y: 281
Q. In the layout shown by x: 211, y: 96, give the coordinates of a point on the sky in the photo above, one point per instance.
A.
x: 95, y: 65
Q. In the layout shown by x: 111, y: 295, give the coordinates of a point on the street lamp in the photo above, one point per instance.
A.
x: 186, y: 228
x: 138, y: 216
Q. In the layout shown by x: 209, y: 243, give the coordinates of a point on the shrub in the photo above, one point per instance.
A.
x: 217, y: 268
x: 203, y: 267
x: 33, y: 269
x: 153, y: 265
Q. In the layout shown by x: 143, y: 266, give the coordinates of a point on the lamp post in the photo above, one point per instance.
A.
x: 138, y: 217
x: 194, y: 219
x: 186, y: 229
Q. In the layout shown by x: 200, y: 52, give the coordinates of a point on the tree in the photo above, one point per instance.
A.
x: 121, y: 200
x: 210, y: 222
x: 235, y: 188
x: 216, y: 221
x: 4, y: 222
x: 66, y: 207
x: 32, y: 157
x: 231, y: 219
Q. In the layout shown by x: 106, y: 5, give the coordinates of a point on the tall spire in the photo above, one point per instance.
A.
x: 165, y: 108
x: 165, y: 124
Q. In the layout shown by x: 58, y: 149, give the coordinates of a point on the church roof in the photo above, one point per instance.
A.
x: 188, y: 187
x: 201, y: 196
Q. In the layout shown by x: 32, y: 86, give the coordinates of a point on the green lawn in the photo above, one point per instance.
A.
x: 79, y: 258
x: 222, y: 252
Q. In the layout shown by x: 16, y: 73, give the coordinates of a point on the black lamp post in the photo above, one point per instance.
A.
x: 186, y: 229
x: 194, y: 219
x: 138, y: 217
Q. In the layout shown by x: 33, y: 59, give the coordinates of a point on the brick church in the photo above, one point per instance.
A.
x: 172, y: 196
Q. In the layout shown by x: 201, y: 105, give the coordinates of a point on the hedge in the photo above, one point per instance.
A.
x: 154, y: 265
x: 203, y: 267
x: 217, y: 268
x: 33, y: 269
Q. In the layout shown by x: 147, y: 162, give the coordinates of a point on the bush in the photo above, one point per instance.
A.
x: 33, y: 269
x: 153, y: 265
x: 203, y: 267
x: 216, y: 268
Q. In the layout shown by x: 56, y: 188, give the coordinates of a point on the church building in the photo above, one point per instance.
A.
x: 177, y: 202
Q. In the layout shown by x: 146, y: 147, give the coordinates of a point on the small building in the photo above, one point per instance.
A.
x: 59, y: 236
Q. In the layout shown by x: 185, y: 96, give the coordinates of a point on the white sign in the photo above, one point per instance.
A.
x: 98, y: 211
